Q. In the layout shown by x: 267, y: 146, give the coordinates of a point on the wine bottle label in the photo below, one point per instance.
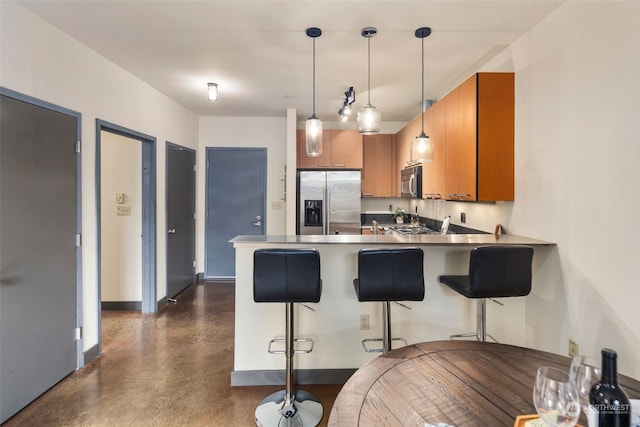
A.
x: 612, y: 408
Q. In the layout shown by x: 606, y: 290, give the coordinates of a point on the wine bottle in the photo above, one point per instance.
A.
x: 610, y: 402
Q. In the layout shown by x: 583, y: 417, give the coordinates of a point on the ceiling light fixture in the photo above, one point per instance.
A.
x: 369, y: 117
x: 349, y: 98
x: 212, y: 91
x: 313, y: 127
x: 422, y: 146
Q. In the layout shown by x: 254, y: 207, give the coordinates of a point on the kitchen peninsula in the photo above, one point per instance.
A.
x: 335, y: 323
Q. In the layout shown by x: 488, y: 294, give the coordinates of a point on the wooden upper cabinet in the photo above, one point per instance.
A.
x: 346, y: 149
x: 377, y: 173
x: 341, y: 149
x: 321, y: 162
x: 433, y: 172
x: 402, y: 151
x: 480, y: 139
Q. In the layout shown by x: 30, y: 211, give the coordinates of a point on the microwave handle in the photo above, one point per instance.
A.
x: 411, y: 188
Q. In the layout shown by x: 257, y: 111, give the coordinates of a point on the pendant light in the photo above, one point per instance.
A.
x: 313, y: 127
x: 369, y: 117
x: 422, y: 146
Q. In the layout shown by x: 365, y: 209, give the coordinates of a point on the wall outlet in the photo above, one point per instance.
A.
x: 574, y: 348
x: 463, y: 217
x: 364, y: 322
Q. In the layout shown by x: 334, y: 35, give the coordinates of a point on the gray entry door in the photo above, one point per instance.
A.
x: 235, y: 203
x: 38, y: 265
x: 181, y: 223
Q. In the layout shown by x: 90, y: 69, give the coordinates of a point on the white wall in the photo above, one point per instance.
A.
x: 577, y: 155
x: 38, y: 60
x: 257, y: 132
x: 121, y: 254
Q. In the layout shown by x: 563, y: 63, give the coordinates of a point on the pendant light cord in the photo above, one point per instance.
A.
x: 369, y: 69
x: 422, y: 98
x: 314, y: 77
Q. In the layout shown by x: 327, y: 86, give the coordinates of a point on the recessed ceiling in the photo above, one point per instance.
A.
x: 261, y: 58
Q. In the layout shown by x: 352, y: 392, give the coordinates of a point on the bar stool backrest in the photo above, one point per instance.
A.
x: 500, y: 271
x: 286, y: 275
x: 390, y: 275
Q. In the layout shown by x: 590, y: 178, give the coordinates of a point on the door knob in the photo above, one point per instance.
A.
x: 258, y: 221
x: 172, y: 231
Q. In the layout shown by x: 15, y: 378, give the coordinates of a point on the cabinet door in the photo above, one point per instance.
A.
x: 495, y: 136
x: 452, y: 146
x: 402, y: 151
x: 321, y: 162
x: 433, y: 172
x: 466, y: 162
x: 377, y: 178
x: 346, y: 149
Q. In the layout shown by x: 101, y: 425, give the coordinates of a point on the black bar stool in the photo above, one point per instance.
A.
x: 288, y: 276
x: 388, y: 275
x: 494, y: 272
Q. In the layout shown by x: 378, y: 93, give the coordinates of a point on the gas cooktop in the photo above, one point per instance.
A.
x: 407, y: 229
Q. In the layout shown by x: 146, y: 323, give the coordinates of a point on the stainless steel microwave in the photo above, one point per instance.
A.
x: 411, y: 182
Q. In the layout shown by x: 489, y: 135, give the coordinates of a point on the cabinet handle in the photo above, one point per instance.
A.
x: 338, y: 165
x: 367, y: 194
x: 323, y: 165
x: 458, y: 195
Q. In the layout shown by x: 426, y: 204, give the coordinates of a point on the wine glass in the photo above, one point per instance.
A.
x: 556, y: 398
x: 584, y: 372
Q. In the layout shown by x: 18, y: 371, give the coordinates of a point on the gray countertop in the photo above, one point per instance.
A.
x: 419, y: 239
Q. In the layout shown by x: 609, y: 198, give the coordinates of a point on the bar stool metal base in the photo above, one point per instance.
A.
x: 481, y: 323
x: 279, y: 409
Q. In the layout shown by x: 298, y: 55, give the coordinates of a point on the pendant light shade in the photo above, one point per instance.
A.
x: 369, y: 117
x: 313, y: 127
x: 422, y: 146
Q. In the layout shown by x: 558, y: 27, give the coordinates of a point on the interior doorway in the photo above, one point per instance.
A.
x: 147, y: 209
x: 120, y: 222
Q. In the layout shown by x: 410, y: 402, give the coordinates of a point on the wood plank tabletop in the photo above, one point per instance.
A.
x: 460, y: 383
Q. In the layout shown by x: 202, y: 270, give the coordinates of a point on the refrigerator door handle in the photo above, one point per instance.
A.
x: 326, y: 210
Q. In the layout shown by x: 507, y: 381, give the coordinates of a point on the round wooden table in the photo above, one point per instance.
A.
x: 460, y: 383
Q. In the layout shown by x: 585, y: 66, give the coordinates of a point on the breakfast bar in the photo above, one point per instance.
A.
x: 334, y: 324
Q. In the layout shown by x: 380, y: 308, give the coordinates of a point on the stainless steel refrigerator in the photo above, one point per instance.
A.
x: 328, y: 202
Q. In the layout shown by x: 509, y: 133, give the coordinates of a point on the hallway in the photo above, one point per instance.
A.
x: 168, y: 369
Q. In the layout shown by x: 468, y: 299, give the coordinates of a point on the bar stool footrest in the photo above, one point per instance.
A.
x: 472, y: 335
x: 378, y: 350
x: 301, y: 351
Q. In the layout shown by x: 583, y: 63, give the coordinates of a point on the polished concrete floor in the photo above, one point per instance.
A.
x: 168, y: 369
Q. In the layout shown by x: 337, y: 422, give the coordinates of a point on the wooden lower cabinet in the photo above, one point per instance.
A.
x: 377, y: 173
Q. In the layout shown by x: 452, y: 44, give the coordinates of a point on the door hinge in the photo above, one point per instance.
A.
x: 78, y: 240
x: 77, y: 146
x: 194, y: 263
x: 194, y: 167
x: 194, y: 216
x: 78, y: 332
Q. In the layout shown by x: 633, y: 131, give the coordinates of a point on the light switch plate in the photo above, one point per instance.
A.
x: 123, y: 210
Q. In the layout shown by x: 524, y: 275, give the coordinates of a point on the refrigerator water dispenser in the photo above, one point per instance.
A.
x: 312, y: 213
